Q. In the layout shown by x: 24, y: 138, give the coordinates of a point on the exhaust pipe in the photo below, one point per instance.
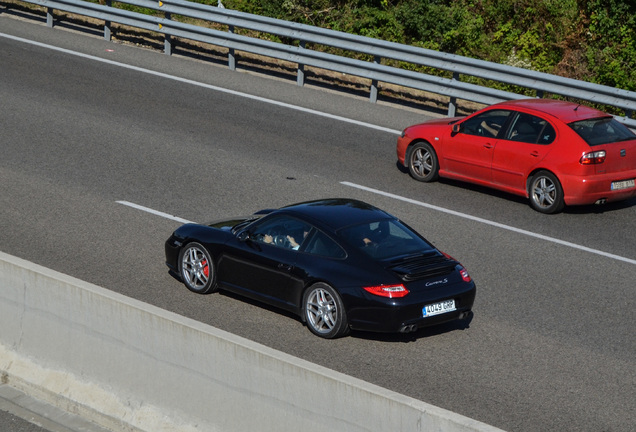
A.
x: 601, y: 201
x: 465, y: 315
x: 408, y: 328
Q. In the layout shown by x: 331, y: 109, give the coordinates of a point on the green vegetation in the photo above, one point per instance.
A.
x: 591, y: 40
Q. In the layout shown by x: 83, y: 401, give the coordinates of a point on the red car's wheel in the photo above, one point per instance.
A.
x: 422, y: 162
x: 546, y: 193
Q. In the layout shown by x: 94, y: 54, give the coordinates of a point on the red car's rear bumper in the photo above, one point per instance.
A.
x: 588, y: 190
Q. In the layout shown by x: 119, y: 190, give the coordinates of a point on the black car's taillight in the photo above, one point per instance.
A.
x: 390, y: 291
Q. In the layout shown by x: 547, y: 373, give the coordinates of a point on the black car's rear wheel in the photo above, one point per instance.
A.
x: 324, y: 312
x: 423, y: 163
x: 546, y: 193
x: 197, y: 269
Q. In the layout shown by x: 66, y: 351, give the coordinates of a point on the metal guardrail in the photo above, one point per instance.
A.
x: 302, y: 35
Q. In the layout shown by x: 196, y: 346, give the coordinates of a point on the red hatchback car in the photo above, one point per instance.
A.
x: 556, y: 153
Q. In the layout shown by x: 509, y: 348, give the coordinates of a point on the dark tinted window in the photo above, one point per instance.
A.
x: 320, y: 244
x: 385, y: 239
x: 487, y: 124
x: 530, y: 129
x: 602, y: 131
x: 282, y: 231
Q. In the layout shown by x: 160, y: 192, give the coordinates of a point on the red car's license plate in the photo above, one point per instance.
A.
x: 623, y: 184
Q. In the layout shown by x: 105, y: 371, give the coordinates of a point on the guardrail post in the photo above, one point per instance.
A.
x: 300, y: 73
x: 107, y: 25
x: 452, y: 103
x: 373, y: 93
x: 49, y: 17
x: 231, y: 59
x: 167, y: 41
x: 538, y: 82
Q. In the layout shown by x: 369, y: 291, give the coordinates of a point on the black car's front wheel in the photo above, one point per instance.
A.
x: 423, y: 163
x: 197, y: 269
x: 324, y: 312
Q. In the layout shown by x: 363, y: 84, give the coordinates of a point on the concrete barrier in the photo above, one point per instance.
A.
x: 129, y: 366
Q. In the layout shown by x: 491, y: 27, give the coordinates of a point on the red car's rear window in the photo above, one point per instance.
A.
x: 602, y: 131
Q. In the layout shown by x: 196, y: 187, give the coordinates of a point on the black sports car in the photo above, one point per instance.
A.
x: 339, y: 264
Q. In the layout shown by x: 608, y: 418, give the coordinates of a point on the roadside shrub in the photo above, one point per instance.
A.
x: 593, y: 40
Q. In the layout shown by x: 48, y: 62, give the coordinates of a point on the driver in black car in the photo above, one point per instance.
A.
x: 291, y: 241
x: 295, y: 245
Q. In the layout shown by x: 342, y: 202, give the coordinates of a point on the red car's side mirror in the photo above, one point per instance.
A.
x: 456, y: 127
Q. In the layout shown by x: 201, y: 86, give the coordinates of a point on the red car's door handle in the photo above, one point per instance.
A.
x: 488, y: 146
x: 534, y: 153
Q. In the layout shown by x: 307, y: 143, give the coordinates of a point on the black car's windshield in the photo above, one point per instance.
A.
x: 602, y: 131
x: 385, y: 239
x: 240, y: 224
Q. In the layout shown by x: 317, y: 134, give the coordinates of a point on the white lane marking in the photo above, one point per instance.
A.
x: 207, y: 86
x: 154, y: 212
x: 318, y: 113
x: 495, y: 224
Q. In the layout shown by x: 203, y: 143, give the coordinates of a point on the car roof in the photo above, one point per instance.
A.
x: 565, y: 111
x: 336, y: 213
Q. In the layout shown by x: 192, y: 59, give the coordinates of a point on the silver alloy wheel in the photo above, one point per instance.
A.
x: 422, y: 161
x: 196, y: 268
x: 321, y: 311
x: 544, y: 192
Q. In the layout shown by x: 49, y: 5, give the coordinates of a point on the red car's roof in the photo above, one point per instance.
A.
x: 565, y: 111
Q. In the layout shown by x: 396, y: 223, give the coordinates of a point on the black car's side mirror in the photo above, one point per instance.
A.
x: 243, y: 236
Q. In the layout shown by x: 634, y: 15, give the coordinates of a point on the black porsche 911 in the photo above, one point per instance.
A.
x: 339, y: 264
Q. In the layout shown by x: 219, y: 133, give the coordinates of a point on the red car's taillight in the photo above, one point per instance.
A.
x: 593, y: 158
x: 390, y: 291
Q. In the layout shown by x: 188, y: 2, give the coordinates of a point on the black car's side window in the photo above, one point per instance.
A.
x: 321, y: 244
x: 487, y: 124
x: 281, y: 231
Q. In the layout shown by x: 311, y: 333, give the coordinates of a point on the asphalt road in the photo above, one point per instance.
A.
x: 551, y: 346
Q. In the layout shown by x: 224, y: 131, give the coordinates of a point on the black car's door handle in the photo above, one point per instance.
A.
x: 286, y: 267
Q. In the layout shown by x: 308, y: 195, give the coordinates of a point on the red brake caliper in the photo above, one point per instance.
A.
x: 206, y: 268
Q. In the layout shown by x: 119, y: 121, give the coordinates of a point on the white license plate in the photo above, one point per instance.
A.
x: 438, y: 308
x: 623, y: 184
